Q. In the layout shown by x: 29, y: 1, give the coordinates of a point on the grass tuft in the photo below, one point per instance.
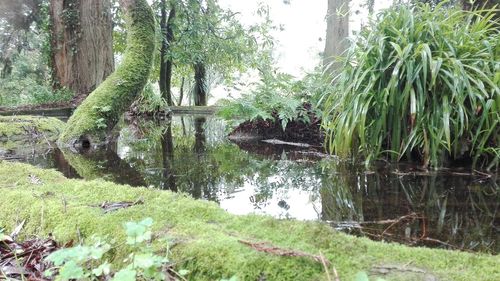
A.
x: 420, y: 82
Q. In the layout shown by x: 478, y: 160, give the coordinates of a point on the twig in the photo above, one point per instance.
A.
x: 412, y: 215
x: 337, y: 278
x: 17, y: 230
x: 266, y: 248
x: 325, y: 267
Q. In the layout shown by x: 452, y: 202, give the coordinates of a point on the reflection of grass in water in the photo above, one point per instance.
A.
x: 347, y: 192
x: 456, y: 212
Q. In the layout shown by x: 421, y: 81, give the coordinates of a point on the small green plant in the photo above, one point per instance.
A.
x: 150, y: 100
x: 88, y: 262
x: 276, y: 97
x: 103, y: 113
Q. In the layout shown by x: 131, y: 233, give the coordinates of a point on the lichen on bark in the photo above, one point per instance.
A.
x: 101, y: 110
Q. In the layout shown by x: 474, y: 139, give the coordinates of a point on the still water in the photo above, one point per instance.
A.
x: 449, y: 208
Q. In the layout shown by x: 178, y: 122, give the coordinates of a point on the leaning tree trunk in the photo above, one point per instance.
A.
x: 200, y: 87
x: 337, y: 31
x: 99, y: 113
x: 82, y: 45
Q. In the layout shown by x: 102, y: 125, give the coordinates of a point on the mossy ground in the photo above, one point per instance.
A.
x: 205, y: 237
x: 14, y: 128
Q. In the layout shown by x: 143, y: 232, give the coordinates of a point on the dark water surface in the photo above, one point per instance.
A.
x: 446, y: 208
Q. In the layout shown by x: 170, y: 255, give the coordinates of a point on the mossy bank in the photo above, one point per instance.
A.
x: 16, y: 128
x: 205, y: 238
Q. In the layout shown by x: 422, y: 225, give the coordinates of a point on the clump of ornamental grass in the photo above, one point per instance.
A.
x: 419, y: 82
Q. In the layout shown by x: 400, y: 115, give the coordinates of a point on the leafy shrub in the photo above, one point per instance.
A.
x: 419, y: 80
x: 28, y: 84
x: 275, y: 96
x: 150, y: 99
x: 28, y: 91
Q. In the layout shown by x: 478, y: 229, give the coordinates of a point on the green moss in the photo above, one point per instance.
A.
x: 101, y: 110
x: 14, y: 128
x: 206, y: 237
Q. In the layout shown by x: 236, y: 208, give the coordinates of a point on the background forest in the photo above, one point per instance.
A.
x: 57, y: 52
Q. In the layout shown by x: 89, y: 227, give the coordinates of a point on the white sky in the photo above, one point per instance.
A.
x: 302, y: 40
x: 304, y: 27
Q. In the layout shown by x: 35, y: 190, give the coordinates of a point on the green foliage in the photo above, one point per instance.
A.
x: 150, y: 100
x: 419, y: 79
x: 208, y: 34
x: 28, y: 84
x: 27, y: 91
x: 276, y: 96
x: 86, y: 262
x: 103, y: 112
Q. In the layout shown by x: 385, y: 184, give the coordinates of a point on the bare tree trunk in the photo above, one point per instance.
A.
x: 165, y: 82
x: 82, y: 45
x: 7, y: 68
x: 478, y: 4
x: 181, y: 92
x: 337, y: 32
x: 200, y: 87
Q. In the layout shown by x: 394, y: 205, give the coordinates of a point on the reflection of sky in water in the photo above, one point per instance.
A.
x: 284, y: 203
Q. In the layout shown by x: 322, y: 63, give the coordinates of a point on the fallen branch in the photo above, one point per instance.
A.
x: 115, y: 206
x: 266, y: 248
x: 280, y: 142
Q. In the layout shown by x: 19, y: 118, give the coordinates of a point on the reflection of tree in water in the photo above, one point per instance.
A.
x: 167, y: 144
x: 182, y: 157
x: 274, y: 178
x: 104, y: 164
x: 204, y: 165
x: 455, y: 210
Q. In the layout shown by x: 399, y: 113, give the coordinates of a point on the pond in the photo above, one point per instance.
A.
x: 448, y: 208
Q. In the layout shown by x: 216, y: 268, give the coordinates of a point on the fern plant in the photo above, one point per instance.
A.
x: 276, y: 97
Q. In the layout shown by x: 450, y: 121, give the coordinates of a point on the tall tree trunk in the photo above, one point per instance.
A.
x: 337, y: 32
x: 200, y: 87
x: 82, y: 45
x: 94, y: 119
x: 165, y: 82
x: 7, y: 68
x: 478, y: 4
x: 181, y: 92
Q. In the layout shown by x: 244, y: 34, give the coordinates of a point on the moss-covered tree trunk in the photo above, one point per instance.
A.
x: 99, y: 113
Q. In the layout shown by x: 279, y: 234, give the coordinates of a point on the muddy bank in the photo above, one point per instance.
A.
x: 299, y: 131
